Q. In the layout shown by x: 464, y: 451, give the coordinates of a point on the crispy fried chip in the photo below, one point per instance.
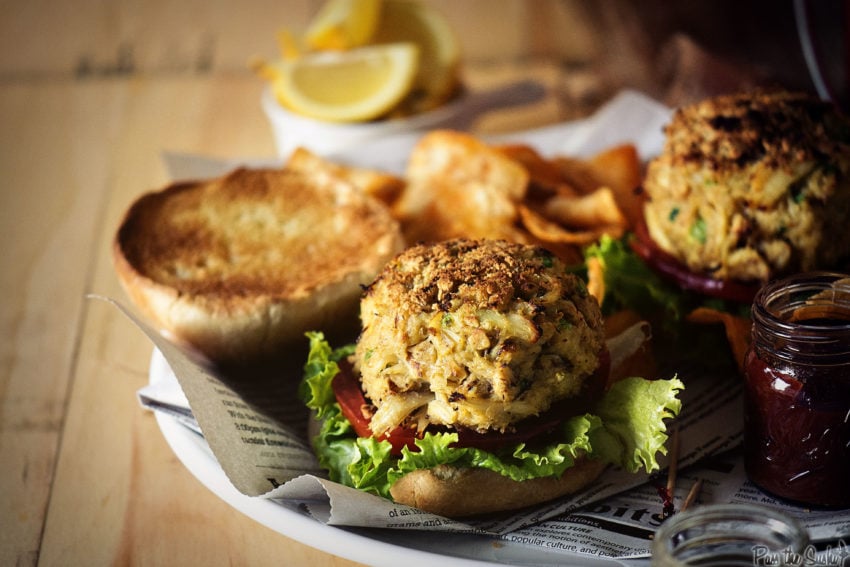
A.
x: 596, y: 211
x: 596, y: 278
x: 578, y: 173
x: 547, y: 231
x: 545, y: 177
x: 459, y: 186
x: 383, y: 186
x: 619, y: 168
x: 619, y: 321
x: 737, y: 329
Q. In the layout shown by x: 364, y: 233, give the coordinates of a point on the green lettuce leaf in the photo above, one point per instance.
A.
x: 631, y: 284
x: 633, y: 413
x: 626, y: 429
x: 319, y: 371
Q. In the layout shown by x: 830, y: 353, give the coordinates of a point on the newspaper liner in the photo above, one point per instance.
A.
x: 255, y: 424
x: 272, y: 457
x: 615, y: 517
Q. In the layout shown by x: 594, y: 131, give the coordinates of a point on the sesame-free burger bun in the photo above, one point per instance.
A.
x: 239, y: 267
x: 457, y: 491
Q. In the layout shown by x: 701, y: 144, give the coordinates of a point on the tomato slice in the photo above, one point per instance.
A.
x: 346, y: 387
x: 673, y: 270
x: 352, y: 402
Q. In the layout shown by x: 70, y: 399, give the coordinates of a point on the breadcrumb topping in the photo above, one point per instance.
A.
x: 474, y: 333
x: 753, y: 186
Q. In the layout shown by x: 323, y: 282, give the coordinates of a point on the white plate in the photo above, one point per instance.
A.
x: 368, y: 546
x: 630, y: 117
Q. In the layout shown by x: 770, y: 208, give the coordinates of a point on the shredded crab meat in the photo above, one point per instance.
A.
x: 395, y: 409
x: 478, y: 334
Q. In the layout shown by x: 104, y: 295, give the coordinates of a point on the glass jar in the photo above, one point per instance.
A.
x: 797, y: 400
x: 729, y: 535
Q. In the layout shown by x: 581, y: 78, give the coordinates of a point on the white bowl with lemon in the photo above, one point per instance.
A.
x: 367, y: 69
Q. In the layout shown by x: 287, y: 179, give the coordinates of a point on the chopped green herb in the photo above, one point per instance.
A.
x: 581, y: 288
x: 674, y: 212
x: 547, y: 260
x: 797, y: 188
x: 447, y: 319
x: 699, y: 231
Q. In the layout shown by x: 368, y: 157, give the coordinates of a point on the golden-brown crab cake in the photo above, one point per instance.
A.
x: 479, y: 334
x: 751, y: 186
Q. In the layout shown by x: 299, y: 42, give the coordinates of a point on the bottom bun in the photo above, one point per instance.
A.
x: 456, y: 491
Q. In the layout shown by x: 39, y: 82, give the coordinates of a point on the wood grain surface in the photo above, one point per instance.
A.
x: 91, y: 95
x: 92, y: 92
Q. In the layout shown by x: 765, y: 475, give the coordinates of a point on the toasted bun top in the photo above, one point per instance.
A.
x: 239, y: 265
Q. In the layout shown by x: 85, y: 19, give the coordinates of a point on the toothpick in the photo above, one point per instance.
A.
x: 674, y: 461
x: 692, y: 494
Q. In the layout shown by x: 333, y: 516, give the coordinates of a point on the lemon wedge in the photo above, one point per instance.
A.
x: 343, y: 24
x: 346, y: 86
x: 439, y: 49
x: 287, y: 42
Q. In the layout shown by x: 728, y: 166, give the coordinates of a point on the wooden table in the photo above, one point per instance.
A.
x: 91, y: 95
x: 88, y: 104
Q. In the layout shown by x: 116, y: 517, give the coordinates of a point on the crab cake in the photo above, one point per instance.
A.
x: 752, y: 186
x: 478, y: 334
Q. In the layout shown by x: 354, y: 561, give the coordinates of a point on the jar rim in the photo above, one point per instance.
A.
x: 803, y: 311
x: 685, y: 532
x: 818, y: 302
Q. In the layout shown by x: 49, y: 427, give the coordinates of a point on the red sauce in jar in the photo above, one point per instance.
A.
x: 797, y: 403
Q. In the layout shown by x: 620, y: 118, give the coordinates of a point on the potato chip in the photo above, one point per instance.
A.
x: 596, y: 278
x: 596, y: 211
x: 463, y: 186
x: 548, y: 231
x: 578, y: 173
x: 619, y: 321
x: 383, y: 186
x: 460, y: 186
x: 430, y: 224
x: 737, y: 329
x: 545, y: 178
x: 619, y: 168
